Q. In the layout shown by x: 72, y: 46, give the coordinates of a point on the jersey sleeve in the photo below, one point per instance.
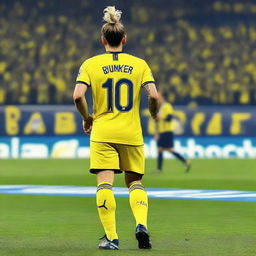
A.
x: 147, y: 76
x: 83, y: 75
x: 167, y: 112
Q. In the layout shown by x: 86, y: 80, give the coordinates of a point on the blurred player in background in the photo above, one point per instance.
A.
x: 116, y: 142
x: 164, y: 133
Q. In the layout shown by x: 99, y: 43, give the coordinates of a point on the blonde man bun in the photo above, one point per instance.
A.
x: 113, y: 30
x: 111, y: 15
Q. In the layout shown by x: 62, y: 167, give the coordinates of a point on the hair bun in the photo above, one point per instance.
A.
x: 111, y: 15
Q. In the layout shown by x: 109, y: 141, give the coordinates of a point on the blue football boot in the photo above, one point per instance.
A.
x: 142, y: 235
x: 106, y: 244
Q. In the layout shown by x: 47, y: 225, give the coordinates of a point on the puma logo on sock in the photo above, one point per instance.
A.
x: 103, y: 206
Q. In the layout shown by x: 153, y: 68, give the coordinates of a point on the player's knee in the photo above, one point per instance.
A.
x: 132, y: 178
x: 160, y: 150
x: 105, y: 176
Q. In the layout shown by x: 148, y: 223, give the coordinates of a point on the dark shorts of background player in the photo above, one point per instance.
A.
x: 165, y: 140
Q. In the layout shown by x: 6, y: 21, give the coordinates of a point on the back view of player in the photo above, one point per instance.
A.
x: 116, y: 142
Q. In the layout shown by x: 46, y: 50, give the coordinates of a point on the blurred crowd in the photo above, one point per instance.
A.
x: 201, y: 52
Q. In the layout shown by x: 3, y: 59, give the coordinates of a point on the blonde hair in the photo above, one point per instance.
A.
x: 111, y: 15
x: 113, y: 30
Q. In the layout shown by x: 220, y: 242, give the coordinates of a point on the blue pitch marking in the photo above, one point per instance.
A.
x: 161, y: 193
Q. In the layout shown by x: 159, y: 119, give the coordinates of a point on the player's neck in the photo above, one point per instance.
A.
x: 114, y: 49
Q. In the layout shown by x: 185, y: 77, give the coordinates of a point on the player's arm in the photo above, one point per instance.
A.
x: 152, y: 99
x: 82, y: 107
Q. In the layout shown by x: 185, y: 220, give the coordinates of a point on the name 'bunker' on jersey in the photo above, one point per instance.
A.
x: 117, y: 68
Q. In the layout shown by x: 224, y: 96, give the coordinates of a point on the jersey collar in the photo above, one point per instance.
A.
x: 114, y: 52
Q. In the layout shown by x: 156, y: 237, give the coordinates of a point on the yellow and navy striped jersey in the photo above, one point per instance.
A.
x: 116, y: 79
x: 165, y: 123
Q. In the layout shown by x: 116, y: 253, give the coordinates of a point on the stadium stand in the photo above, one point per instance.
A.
x: 201, y: 56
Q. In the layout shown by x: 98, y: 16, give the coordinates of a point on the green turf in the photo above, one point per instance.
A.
x: 206, y: 174
x: 69, y: 226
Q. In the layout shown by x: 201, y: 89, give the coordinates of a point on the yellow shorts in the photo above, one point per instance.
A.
x: 116, y: 157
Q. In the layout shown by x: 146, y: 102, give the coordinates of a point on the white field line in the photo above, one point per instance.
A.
x: 163, y: 193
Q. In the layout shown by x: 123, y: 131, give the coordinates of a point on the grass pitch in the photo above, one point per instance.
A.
x: 69, y: 226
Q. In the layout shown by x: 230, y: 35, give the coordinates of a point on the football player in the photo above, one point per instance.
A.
x: 116, y: 143
x: 164, y: 136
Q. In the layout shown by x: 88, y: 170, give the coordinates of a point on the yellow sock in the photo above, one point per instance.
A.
x: 139, y: 203
x: 107, y: 209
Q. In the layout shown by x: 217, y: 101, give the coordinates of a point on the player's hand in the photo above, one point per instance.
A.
x: 87, y: 125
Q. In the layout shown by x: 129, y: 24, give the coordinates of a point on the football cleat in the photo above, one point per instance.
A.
x: 142, y: 235
x: 106, y: 244
x: 188, y: 166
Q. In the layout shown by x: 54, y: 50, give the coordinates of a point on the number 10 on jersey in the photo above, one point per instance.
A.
x: 116, y: 89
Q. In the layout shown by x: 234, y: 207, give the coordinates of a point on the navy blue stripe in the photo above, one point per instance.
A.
x: 148, y: 82
x: 82, y: 82
x: 114, y: 52
x: 168, y: 118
